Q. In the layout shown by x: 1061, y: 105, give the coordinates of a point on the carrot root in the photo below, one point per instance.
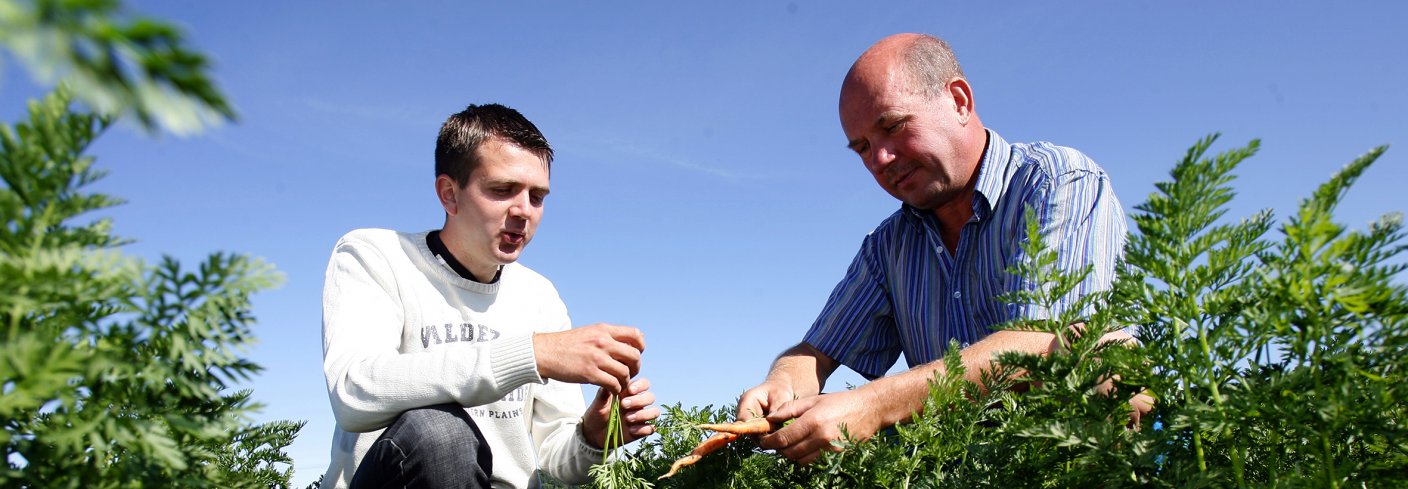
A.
x: 683, y: 461
x: 713, y: 443
x: 755, y: 426
x: 709, y: 445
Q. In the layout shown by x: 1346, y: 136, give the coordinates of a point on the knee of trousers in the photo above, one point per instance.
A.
x: 444, y: 429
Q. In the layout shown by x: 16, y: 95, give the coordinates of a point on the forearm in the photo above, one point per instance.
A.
x: 803, y: 368
x: 896, y: 398
x: 369, y: 389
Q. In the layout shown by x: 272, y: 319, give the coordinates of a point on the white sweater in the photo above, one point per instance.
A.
x: 402, y: 330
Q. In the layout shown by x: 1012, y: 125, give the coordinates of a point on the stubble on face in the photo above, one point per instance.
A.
x: 498, y: 210
x: 886, y: 125
x: 911, y: 140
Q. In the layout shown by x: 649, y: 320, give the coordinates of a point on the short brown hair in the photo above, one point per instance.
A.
x: 462, y: 133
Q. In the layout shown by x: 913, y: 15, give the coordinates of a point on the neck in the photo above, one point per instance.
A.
x: 953, y: 215
x: 440, y: 244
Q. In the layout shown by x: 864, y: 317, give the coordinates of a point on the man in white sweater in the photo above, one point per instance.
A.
x: 449, y: 364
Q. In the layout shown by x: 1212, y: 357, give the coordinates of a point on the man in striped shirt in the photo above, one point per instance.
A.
x: 932, y: 271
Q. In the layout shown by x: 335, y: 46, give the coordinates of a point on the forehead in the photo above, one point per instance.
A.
x: 500, y: 160
x: 869, y: 98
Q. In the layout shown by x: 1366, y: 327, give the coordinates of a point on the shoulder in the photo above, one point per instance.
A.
x: 900, y: 227
x: 1053, y: 160
x: 386, y: 244
x: 368, y: 237
x: 520, y: 283
x: 381, y: 238
x: 888, y: 229
x: 895, y: 223
x: 519, y: 276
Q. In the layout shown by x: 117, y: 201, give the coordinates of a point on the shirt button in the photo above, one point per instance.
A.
x: 957, y: 294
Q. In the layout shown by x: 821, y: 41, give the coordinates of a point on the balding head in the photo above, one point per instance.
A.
x: 907, y: 111
x: 926, y: 62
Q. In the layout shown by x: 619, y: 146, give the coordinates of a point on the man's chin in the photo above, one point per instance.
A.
x: 507, y: 255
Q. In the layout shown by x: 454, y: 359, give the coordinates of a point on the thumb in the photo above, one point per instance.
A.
x: 792, y: 409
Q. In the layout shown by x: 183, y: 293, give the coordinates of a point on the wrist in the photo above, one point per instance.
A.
x: 585, y: 433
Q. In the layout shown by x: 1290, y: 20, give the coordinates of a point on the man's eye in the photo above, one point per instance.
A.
x: 537, y: 199
x: 893, y: 128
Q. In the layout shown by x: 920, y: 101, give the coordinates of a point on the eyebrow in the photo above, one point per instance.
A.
x: 510, y: 181
x: 880, y: 121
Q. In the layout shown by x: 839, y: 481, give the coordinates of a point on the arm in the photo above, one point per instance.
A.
x: 1082, y: 221
x: 569, y: 436
x: 370, y: 381
x: 571, y: 445
x: 881, y: 403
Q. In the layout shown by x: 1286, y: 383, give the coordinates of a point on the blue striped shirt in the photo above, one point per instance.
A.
x: 905, y: 292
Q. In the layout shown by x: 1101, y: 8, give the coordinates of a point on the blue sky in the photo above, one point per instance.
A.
x: 702, y: 189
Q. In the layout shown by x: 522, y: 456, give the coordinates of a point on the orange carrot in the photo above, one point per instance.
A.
x: 706, y: 447
x: 683, y: 461
x: 755, y: 426
x: 713, y: 443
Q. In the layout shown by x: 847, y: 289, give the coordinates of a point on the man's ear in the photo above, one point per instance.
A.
x: 962, y: 94
x: 445, y: 188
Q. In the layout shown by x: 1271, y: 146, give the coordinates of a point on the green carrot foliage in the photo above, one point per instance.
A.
x: 1275, y: 361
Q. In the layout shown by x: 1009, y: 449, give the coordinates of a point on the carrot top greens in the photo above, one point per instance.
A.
x: 1274, y: 362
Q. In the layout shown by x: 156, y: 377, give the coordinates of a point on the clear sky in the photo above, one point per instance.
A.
x: 702, y: 189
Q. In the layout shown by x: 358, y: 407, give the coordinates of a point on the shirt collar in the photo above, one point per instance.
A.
x: 993, y: 173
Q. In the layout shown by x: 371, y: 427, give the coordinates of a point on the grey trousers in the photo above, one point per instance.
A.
x: 431, y: 447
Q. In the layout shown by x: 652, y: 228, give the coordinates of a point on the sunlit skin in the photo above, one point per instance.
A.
x: 926, y: 152
x: 488, y: 223
x: 492, y: 218
x: 922, y: 150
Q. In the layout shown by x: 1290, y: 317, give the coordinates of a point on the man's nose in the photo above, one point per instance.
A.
x: 521, y: 208
x: 880, y: 157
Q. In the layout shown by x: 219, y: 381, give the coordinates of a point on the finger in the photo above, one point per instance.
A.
x: 807, y: 451
x: 626, y: 355
x: 783, y: 438
x: 627, y: 335
x: 756, y: 405
x: 601, y: 401
x: 638, y: 386
x: 638, y: 401
x: 792, y: 409
x: 808, y: 459
x: 610, y: 375
x: 641, y: 431
x: 750, y: 405
x: 641, y: 416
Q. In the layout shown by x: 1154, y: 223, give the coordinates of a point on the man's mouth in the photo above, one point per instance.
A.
x: 512, y: 238
x: 899, y: 176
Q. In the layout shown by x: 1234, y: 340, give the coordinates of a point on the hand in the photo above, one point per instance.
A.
x: 636, y: 414
x: 601, y: 354
x: 817, y: 423
x: 760, y: 400
x: 1140, y: 404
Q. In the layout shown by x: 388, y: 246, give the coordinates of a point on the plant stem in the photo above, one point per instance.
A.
x: 614, y: 432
